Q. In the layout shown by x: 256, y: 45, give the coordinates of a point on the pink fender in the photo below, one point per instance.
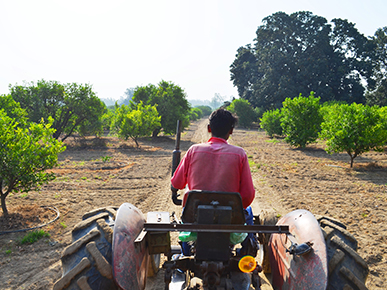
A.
x: 309, y: 271
x: 130, y: 260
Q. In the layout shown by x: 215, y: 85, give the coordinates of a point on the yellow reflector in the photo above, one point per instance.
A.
x: 247, y: 264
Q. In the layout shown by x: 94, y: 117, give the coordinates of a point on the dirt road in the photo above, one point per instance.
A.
x: 102, y: 172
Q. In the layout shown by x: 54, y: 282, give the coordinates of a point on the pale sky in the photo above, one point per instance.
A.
x: 115, y: 45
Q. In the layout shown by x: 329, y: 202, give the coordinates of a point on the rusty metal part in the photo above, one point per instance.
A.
x: 301, y: 271
x: 130, y: 260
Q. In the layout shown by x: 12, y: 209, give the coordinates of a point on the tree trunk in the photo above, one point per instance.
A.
x: 156, y: 132
x: 3, y: 205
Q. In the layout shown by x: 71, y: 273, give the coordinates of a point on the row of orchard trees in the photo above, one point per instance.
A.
x: 152, y: 109
x: 351, y: 128
x: 75, y: 108
x: 35, y: 119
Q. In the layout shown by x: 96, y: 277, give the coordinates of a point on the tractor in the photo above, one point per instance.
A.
x: 118, y: 248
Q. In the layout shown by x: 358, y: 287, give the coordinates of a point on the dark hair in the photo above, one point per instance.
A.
x: 221, y: 122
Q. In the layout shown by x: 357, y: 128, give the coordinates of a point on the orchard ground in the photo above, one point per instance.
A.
x: 103, y: 172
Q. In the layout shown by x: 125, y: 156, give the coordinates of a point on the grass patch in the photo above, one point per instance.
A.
x: 79, y: 163
x: 63, y: 225
x: 33, y: 237
x: 61, y: 179
x: 106, y: 158
x: 274, y: 141
x: 252, y: 165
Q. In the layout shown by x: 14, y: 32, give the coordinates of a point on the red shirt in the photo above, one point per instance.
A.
x: 216, y: 166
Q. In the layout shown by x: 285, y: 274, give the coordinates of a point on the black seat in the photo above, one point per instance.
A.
x: 209, y: 207
x: 202, y: 197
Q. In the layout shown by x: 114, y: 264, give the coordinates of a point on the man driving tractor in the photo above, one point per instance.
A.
x: 217, y: 166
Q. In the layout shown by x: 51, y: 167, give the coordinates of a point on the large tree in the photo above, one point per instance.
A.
x: 70, y: 105
x: 378, y: 94
x: 171, y: 101
x: 300, y: 53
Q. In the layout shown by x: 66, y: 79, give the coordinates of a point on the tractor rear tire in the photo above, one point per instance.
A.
x: 87, y: 261
x: 346, y: 269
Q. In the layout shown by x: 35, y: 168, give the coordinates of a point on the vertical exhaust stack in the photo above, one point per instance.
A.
x: 175, y: 162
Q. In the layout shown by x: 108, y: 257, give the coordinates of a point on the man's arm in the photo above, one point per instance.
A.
x: 179, y: 178
x: 247, y: 190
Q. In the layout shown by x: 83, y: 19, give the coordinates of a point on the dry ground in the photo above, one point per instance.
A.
x: 102, y: 172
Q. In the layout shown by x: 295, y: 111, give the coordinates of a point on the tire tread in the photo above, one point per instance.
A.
x: 92, y: 244
x: 346, y: 268
x: 65, y: 281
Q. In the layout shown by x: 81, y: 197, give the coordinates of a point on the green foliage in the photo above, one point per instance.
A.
x: 106, y: 158
x: 135, y: 121
x: 171, y: 102
x: 73, y: 107
x: 258, y: 113
x: 93, y: 126
x: 206, y: 110
x: 295, y: 53
x: 301, y: 120
x: 12, y: 108
x: 34, y: 236
x: 245, y: 112
x: 26, y: 151
x: 354, y: 129
x: 271, y: 122
x: 107, y: 118
x: 377, y: 95
x: 195, y: 114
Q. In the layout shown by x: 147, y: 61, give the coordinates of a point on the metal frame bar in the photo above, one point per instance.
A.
x: 221, y: 228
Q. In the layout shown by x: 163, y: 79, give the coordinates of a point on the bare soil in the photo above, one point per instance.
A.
x: 107, y: 171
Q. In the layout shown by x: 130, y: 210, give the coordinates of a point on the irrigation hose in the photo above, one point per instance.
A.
x: 37, y: 227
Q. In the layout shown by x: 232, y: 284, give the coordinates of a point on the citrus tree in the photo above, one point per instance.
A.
x: 206, y: 110
x: 271, y: 122
x: 27, y: 149
x: 354, y: 129
x: 135, y: 121
x: 301, y: 120
x: 12, y: 108
x: 195, y: 114
x: 245, y: 112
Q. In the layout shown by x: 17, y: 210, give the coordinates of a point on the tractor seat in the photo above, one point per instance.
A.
x: 201, y: 197
x: 210, y: 207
